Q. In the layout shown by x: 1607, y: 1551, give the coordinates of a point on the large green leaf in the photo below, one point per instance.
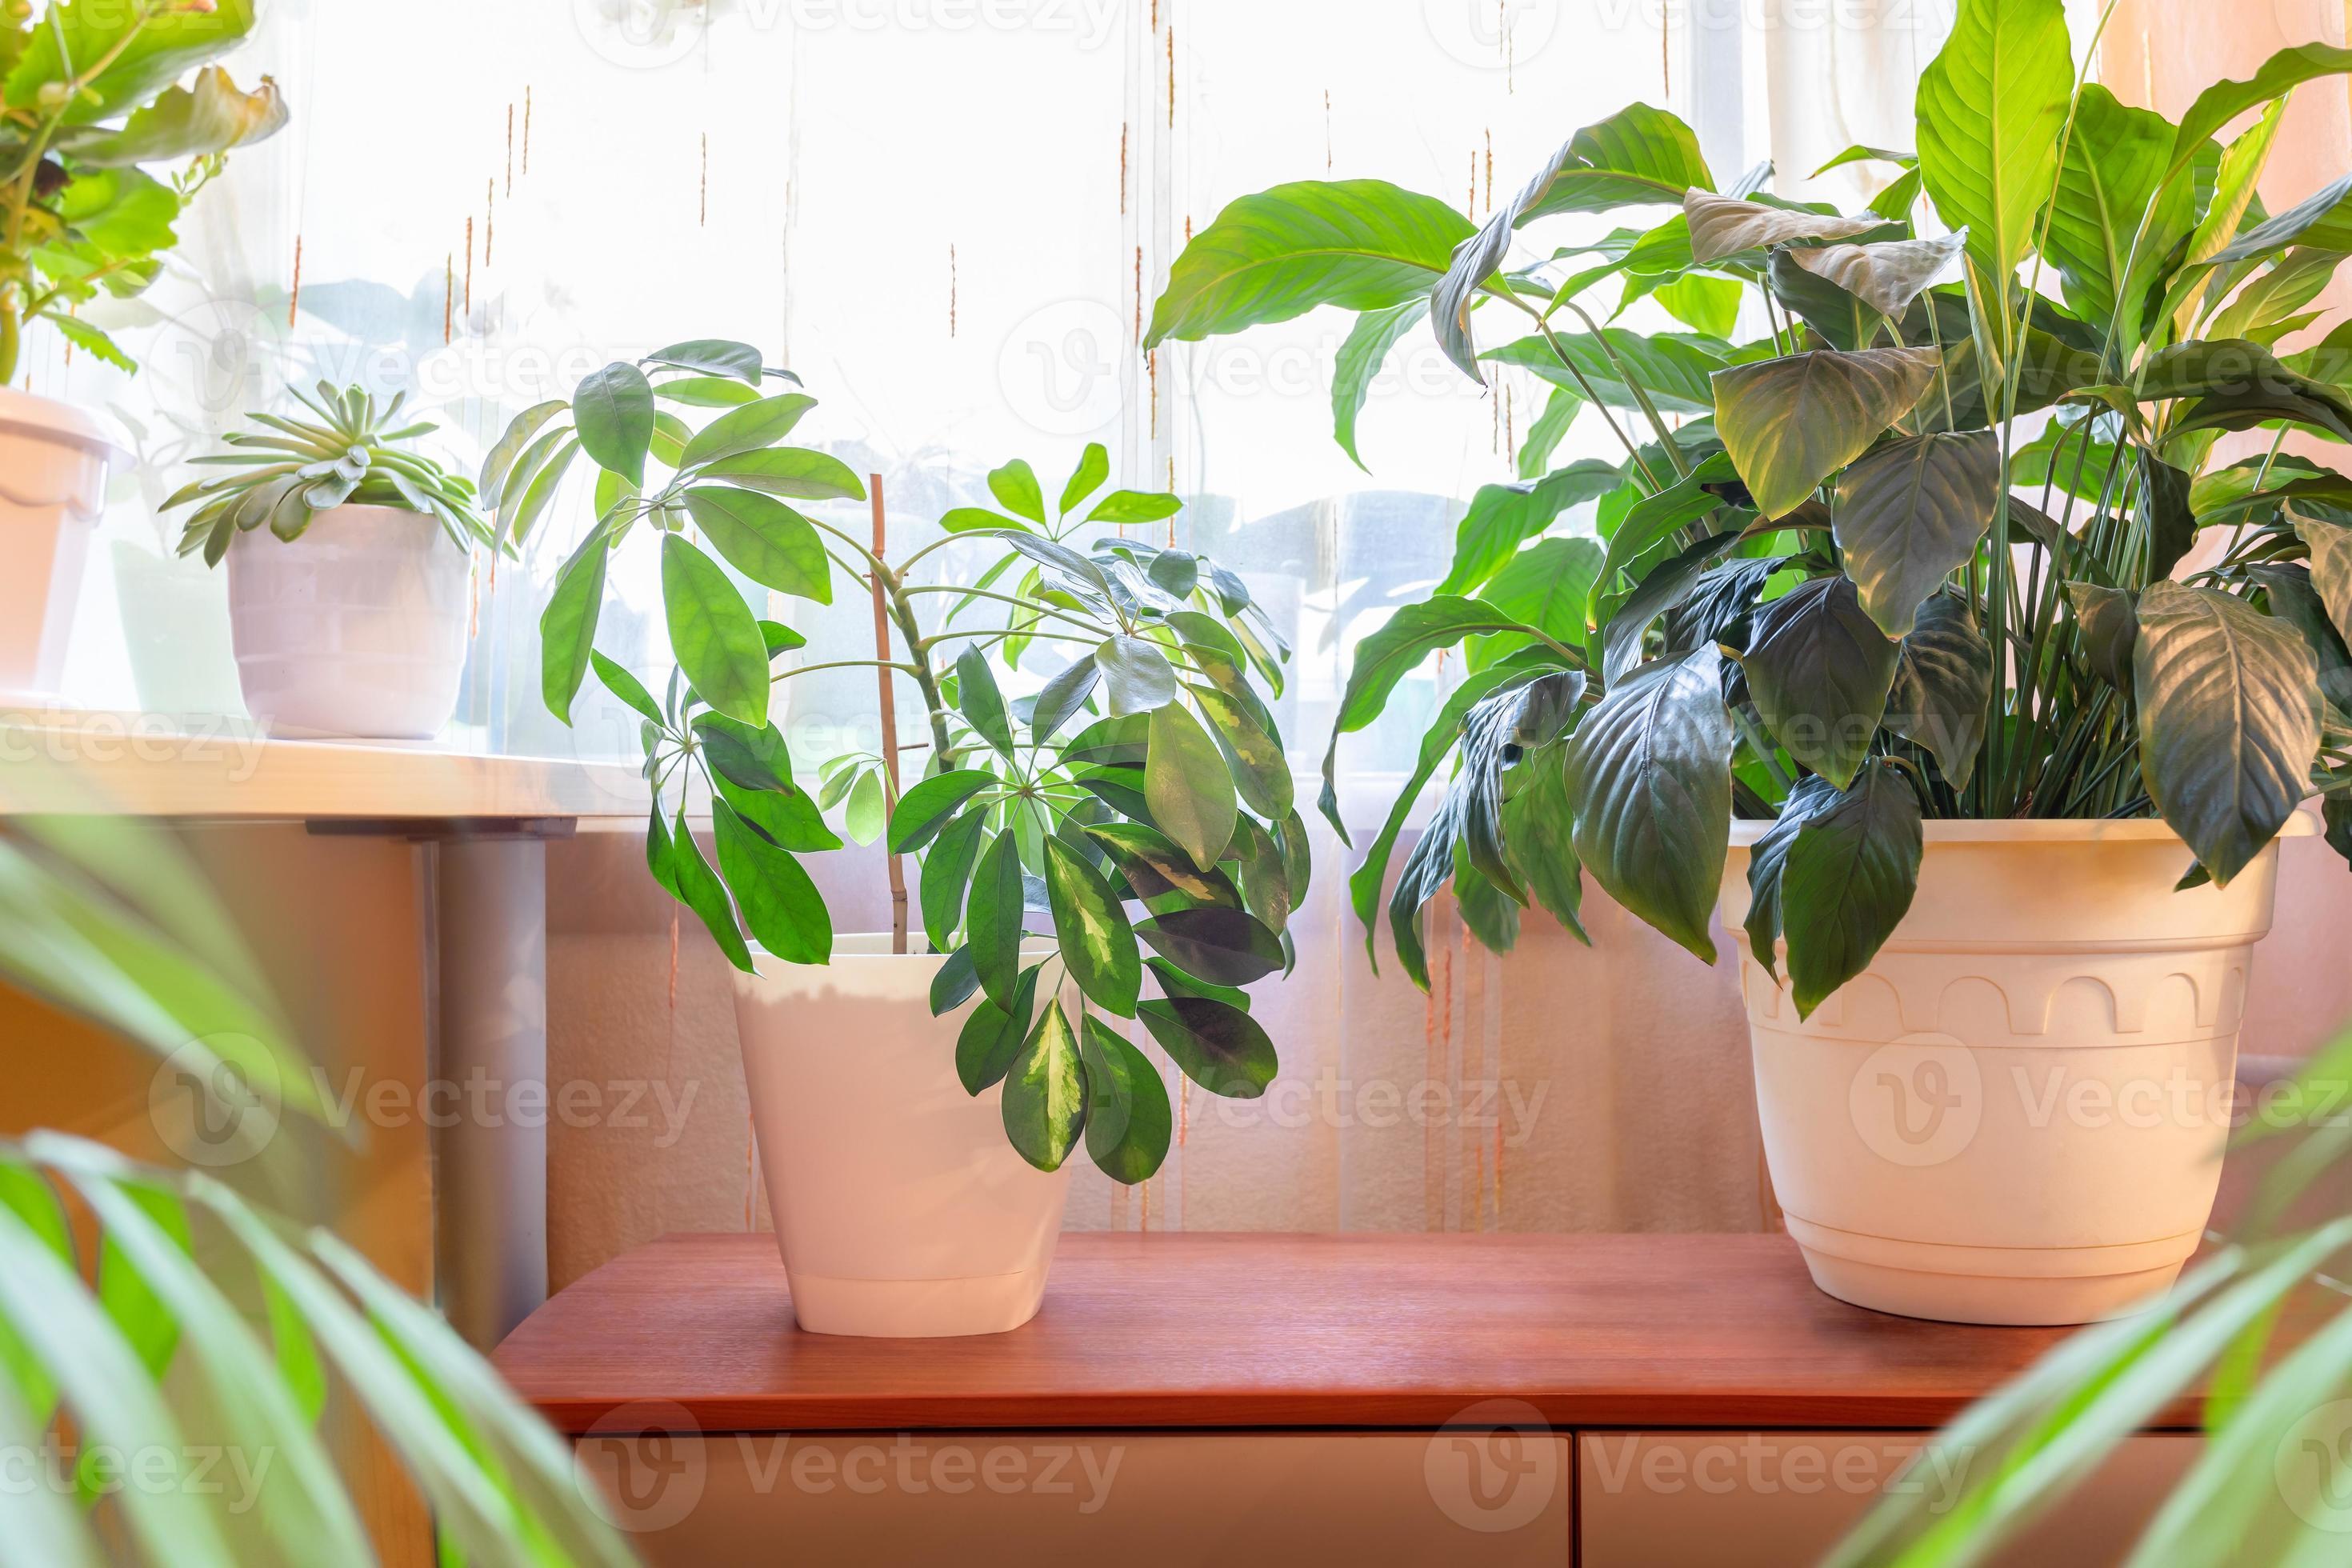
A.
x: 993, y: 1035
x: 2114, y: 173
x: 2229, y: 720
x: 1820, y: 670
x: 1790, y: 423
x: 2232, y: 384
x: 1991, y: 111
x: 981, y: 701
x: 1723, y: 227
x: 1187, y: 786
x: 713, y: 633
x: 1661, y: 590
x: 1639, y: 156
x: 749, y: 428
x: 211, y: 117
x: 704, y: 894
x: 1672, y: 368
x: 1942, y: 696
x: 1538, y: 830
x: 1137, y: 676
x: 947, y: 875
x: 1129, y: 1124
x: 567, y: 627
x: 1214, y: 1043
x: 2322, y: 220
x: 1226, y: 947
x: 928, y: 807
x: 1502, y: 516
x: 2330, y: 544
x: 714, y: 356
x: 1648, y: 780
x: 764, y: 539
x: 1045, y: 1093
x: 1360, y: 357
x: 613, y: 410
x: 993, y: 916
x: 795, y: 472
x: 1261, y: 770
x: 145, y: 48
x: 2223, y: 102
x: 1156, y: 868
x: 1544, y: 587
x: 1910, y: 514
x: 1393, y: 652
x: 1363, y: 245
x: 780, y: 903
x: 1096, y: 942
x: 1886, y: 277
x: 1848, y: 880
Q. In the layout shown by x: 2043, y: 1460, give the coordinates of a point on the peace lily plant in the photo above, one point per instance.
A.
x: 1148, y: 769
x: 1816, y: 538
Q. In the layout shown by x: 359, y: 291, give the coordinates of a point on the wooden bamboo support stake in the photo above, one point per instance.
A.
x: 889, y: 728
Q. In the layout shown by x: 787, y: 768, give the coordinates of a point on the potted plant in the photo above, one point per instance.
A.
x: 358, y: 628
x: 1993, y: 1083
x: 916, y: 1094
x: 89, y: 100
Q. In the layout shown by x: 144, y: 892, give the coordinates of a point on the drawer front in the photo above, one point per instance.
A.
x: 1140, y: 1500
x: 1762, y: 1499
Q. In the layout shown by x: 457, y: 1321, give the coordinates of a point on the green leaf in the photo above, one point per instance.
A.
x: 793, y: 472
x: 1045, y: 1093
x: 1651, y: 523
x: 1648, y: 780
x: 1124, y: 508
x: 1360, y: 357
x: 1228, y: 947
x: 980, y: 700
x: 993, y: 1036
x: 946, y: 874
x: 1664, y: 588
x: 1724, y: 227
x: 2330, y: 544
x: 2110, y: 628
x: 1140, y: 678
x: 752, y: 755
x: 1848, y: 881
x: 1214, y: 1043
x: 953, y: 984
x: 1709, y: 305
x: 1546, y: 587
x: 1156, y: 868
x: 1791, y: 423
x: 1502, y: 516
x: 1260, y: 770
x: 1910, y: 514
x: 2111, y: 185
x: 764, y: 539
x: 2223, y: 102
x: 1093, y: 469
x: 1187, y: 786
x: 713, y: 356
x: 519, y: 435
x: 704, y: 894
x: 1991, y: 114
x: 1671, y: 369
x: 1015, y: 486
x: 1389, y: 655
x: 867, y: 814
x: 993, y: 916
x: 750, y: 428
x: 1820, y: 670
x: 1127, y: 1121
x: 1543, y: 437
x: 713, y: 633
x: 613, y: 410
x: 567, y: 627
x: 2228, y: 718
x: 1942, y: 694
x: 625, y: 686
x: 1096, y: 942
x: 927, y: 807
x: 143, y: 53
x: 93, y: 342
x: 706, y: 391
x: 1363, y: 245
x: 1538, y: 830
x: 780, y: 903
x: 1639, y: 156
x: 1062, y: 696
x: 2232, y: 384
x: 1886, y: 277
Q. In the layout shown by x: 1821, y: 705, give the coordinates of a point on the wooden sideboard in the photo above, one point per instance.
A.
x: 1245, y: 1398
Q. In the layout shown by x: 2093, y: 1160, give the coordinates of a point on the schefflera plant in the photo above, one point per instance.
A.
x: 1789, y: 606
x: 1147, y: 771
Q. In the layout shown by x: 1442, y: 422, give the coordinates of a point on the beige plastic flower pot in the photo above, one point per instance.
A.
x: 53, y: 467
x: 2016, y: 1114
x: 901, y: 1211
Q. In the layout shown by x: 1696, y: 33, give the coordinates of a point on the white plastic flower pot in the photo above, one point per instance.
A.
x: 902, y: 1210
x: 356, y: 628
x: 53, y: 469
x: 2016, y: 1114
